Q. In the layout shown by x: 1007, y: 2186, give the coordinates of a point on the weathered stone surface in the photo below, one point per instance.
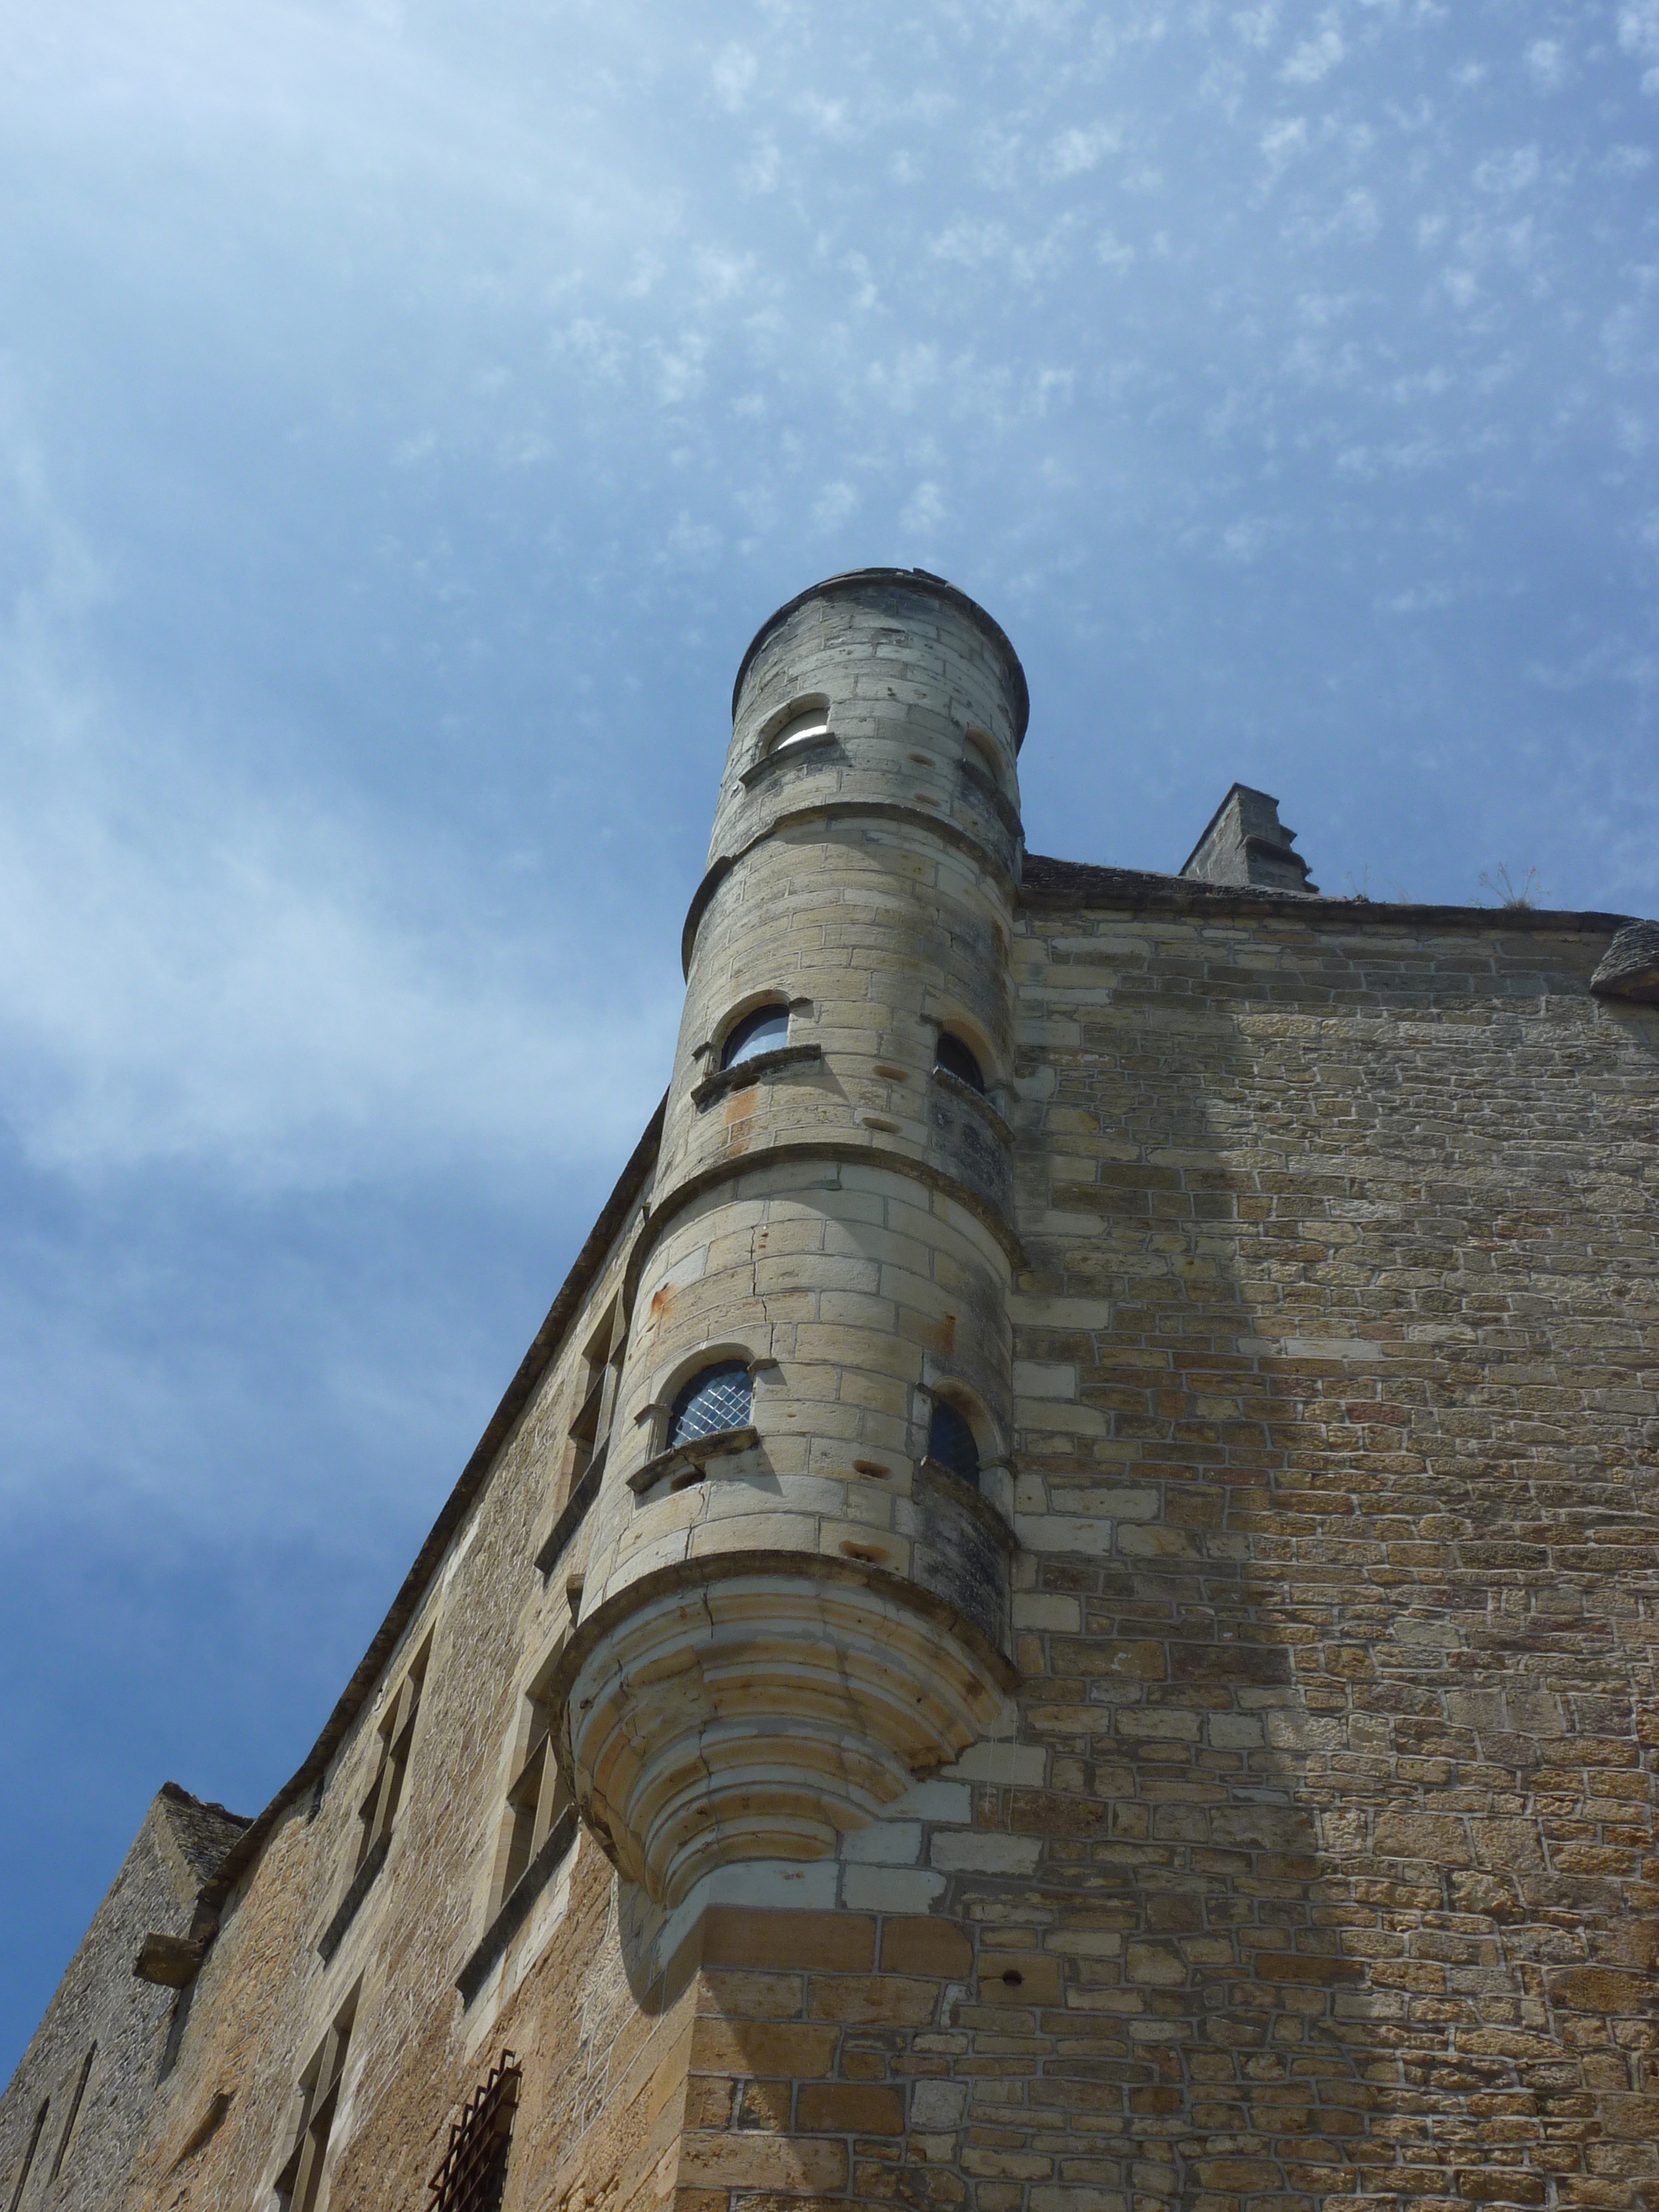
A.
x: 1629, y: 967
x: 1311, y: 1868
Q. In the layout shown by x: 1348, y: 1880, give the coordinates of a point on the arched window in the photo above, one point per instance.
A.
x: 810, y: 721
x: 764, y: 1030
x: 951, y: 1442
x: 716, y: 1398
x: 954, y: 1057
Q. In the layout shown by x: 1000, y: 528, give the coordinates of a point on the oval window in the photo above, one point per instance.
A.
x: 954, y: 1057
x: 951, y: 1442
x: 716, y: 1398
x: 765, y: 1031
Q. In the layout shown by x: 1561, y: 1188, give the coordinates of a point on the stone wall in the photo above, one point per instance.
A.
x: 94, y: 2064
x: 1307, y: 1868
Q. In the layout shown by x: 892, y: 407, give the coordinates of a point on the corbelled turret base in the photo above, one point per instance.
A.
x: 713, y: 1716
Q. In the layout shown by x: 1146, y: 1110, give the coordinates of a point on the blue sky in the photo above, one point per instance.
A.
x: 408, y: 413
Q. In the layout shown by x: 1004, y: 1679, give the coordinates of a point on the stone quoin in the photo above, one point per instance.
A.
x: 1059, y: 1617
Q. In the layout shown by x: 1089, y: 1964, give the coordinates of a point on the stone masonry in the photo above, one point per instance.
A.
x: 1237, y: 1798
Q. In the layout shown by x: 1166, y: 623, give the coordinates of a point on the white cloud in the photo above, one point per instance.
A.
x: 1282, y: 142
x: 1075, y: 152
x: 924, y: 511
x: 1545, y: 61
x: 835, y: 504
x: 1503, y: 174
x: 734, y: 72
x: 192, y: 970
x: 1638, y: 35
x: 1314, y: 58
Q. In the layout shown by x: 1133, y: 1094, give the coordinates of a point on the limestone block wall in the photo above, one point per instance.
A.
x: 94, y: 2064
x: 1243, y: 1802
x: 1318, y: 1871
x: 837, y: 1216
x: 556, y: 1988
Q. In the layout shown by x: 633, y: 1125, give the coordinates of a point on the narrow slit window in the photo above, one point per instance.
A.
x: 720, y: 1397
x: 951, y: 1442
x: 74, y: 2111
x: 765, y: 1031
x: 24, y: 2171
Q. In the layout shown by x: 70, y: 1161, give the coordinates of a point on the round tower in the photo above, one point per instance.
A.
x: 795, y: 1599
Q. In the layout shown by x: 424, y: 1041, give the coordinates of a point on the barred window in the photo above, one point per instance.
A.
x: 474, y: 2171
x: 720, y: 1397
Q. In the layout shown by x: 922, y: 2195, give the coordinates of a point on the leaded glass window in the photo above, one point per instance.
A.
x: 717, y: 1398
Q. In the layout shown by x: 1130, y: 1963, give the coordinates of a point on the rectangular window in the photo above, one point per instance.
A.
x: 590, y: 1426
x: 536, y: 1797
x: 380, y: 1807
x: 301, y: 2178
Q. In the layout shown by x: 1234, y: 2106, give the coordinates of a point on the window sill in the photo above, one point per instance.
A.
x: 362, y: 1882
x: 954, y: 1087
x: 969, y: 1498
x: 575, y: 1511
x: 515, y: 1907
x: 691, y: 1459
x: 756, y: 1070
x: 769, y: 763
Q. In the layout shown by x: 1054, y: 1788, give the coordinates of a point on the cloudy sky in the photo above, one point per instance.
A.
x: 408, y: 413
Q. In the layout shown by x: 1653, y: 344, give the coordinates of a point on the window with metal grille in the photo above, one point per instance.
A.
x: 474, y: 2171
x: 718, y: 1397
x: 951, y: 1442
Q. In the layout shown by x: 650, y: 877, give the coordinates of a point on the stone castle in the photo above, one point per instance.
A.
x: 1060, y: 1617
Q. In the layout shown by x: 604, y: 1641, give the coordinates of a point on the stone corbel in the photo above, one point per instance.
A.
x: 1629, y: 967
x: 691, y: 1458
x: 170, y: 1962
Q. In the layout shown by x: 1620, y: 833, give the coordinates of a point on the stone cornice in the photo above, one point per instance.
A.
x: 1049, y: 883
